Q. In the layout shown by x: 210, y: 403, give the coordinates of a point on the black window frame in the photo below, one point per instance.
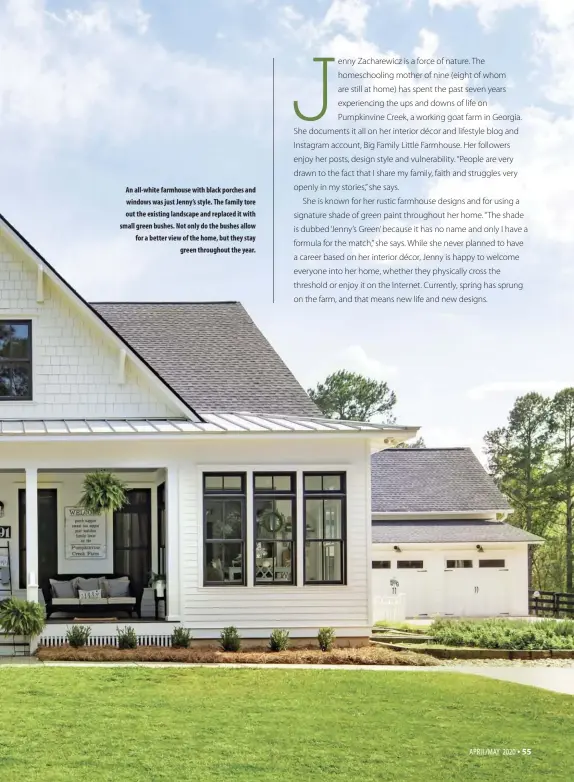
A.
x: 381, y: 564
x: 233, y: 494
x: 326, y: 494
x: 28, y: 361
x: 276, y: 494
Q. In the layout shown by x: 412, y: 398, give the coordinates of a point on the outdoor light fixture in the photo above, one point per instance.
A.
x: 479, y: 548
x: 1, y: 509
x: 396, y: 548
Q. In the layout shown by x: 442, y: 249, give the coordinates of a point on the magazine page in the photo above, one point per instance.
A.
x: 286, y: 411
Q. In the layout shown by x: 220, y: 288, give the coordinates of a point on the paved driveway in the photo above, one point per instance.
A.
x: 556, y: 679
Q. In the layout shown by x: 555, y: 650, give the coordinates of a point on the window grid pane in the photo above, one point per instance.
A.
x: 274, y: 539
x: 224, y: 529
x: 324, y: 528
x: 15, y: 360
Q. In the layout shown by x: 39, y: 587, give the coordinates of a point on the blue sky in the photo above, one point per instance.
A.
x: 96, y: 96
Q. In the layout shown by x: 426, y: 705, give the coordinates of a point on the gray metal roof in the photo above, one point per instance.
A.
x: 212, y: 354
x: 451, y: 531
x: 432, y: 480
x: 214, y: 423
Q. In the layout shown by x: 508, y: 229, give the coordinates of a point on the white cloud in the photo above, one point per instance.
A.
x: 356, y: 359
x: 515, y: 387
x: 555, y: 12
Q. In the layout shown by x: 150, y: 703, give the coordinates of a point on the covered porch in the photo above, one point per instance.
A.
x: 45, y: 538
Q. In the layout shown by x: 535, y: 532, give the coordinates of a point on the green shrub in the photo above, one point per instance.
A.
x: 504, y: 633
x: 230, y: 640
x: 326, y: 638
x: 181, y: 638
x: 78, y: 635
x: 127, y: 638
x: 279, y: 641
x: 22, y: 617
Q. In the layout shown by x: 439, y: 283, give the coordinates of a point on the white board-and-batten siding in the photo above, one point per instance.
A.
x: 254, y: 610
x: 76, y: 365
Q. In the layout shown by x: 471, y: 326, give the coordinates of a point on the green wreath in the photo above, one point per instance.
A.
x: 272, y: 520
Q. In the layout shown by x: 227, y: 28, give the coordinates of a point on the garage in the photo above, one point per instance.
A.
x: 440, y: 542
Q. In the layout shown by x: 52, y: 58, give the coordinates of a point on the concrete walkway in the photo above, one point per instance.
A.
x: 555, y: 679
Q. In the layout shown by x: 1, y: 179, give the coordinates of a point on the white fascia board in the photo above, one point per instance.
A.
x: 96, y: 321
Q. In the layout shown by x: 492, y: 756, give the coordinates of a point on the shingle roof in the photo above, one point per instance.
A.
x: 212, y: 354
x: 432, y: 480
x: 451, y: 531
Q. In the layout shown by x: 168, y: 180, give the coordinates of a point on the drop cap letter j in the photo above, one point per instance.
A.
x: 324, y: 60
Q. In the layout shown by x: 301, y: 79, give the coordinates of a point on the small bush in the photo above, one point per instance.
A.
x: 127, y: 638
x: 230, y: 640
x: 326, y: 639
x: 181, y: 638
x: 279, y: 641
x: 78, y: 635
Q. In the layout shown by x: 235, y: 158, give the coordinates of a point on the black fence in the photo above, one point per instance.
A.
x: 560, y: 604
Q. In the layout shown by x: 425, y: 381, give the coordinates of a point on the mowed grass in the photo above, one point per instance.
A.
x: 130, y: 724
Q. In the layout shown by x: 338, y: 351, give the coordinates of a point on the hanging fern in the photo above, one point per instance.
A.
x: 102, y: 492
x: 21, y: 617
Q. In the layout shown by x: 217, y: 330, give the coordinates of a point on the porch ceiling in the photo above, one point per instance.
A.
x: 214, y: 423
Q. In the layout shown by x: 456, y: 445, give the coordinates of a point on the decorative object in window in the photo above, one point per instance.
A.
x: 224, y: 529
x: 274, y: 508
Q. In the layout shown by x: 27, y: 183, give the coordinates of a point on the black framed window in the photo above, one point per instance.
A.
x: 452, y: 564
x: 132, y: 537
x: 15, y: 360
x: 501, y: 563
x: 274, y: 508
x: 381, y: 564
x: 412, y: 564
x: 224, y: 529
x: 325, y: 527
x: 161, y: 569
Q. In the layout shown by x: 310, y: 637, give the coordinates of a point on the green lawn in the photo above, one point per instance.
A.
x: 140, y: 725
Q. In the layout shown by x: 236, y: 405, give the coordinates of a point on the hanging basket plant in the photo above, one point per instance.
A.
x: 20, y: 617
x: 102, y: 493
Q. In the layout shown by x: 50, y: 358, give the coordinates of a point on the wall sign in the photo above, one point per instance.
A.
x: 5, y: 532
x: 84, y: 534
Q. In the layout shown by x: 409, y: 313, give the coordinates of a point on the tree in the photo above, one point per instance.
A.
x: 519, y: 460
x: 418, y: 443
x: 350, y: 396
x: 561, y: 477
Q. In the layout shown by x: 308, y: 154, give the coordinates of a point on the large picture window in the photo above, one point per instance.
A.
x: 224, y: 529
x: 15, y: 360
x: 274, y: 508
x: 325, y: 527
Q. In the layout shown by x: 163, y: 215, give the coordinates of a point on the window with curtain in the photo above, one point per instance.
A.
x: 274, y: 505
x: 132, y: 537
x: 224, y: 529
x: 161, y: 569
x: 325, y: 527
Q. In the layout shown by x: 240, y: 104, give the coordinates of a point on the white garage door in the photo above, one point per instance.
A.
x: 476, y: 586
x: 411, y: 578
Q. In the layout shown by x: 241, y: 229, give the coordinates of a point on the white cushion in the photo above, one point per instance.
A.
x: 89, y: 594
x: 93, y: 601
x: 120, y: 600
x: 65, y: 601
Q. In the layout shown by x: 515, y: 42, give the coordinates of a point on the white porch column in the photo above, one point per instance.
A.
x: 32, y: 534
x: 172, y: 545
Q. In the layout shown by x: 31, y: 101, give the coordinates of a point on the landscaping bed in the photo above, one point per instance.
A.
x: 551, y: 635
x: 442, y: 652
x: 365, y: 655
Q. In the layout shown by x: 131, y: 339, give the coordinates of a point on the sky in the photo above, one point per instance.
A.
x: 99, y: 96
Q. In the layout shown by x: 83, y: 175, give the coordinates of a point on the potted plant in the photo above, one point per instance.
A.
x: 22, y: 617
x: 102, y: 492
x: 157, y: 583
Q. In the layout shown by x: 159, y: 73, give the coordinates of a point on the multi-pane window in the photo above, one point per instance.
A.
x: 274, y: 505
x: 500, y: 563
x: 15, y: 360
x: 410, y: 564
x: 325, y: 527
x: 452, y: 564
x: 381, y: 564
x: 224, y: 529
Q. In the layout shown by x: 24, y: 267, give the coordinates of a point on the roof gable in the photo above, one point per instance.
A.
x: 432, y: 480
x: 212, y: 354
x: 94, y: 321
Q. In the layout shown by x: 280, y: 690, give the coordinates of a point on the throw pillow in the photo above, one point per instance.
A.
x: 89, y: 594
x: 87, y: 584
x: 62, y: 588
x: 117, y: 587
